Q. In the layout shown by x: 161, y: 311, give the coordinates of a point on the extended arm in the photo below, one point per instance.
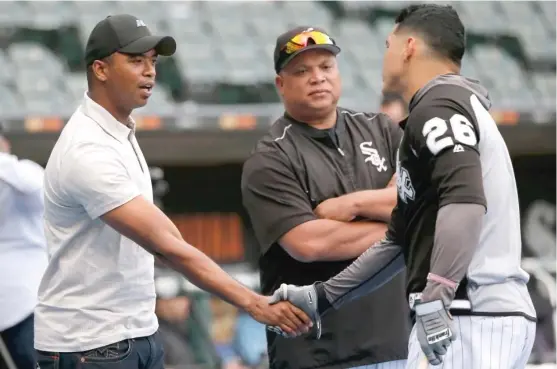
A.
x: 375, y: 267
x: 101, y: 184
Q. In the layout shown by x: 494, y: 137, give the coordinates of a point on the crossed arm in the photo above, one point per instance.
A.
x: 280, y: 212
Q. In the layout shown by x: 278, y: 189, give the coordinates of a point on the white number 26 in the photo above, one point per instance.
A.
x: 435, y: 128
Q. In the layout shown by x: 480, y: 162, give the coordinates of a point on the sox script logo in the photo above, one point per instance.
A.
x: 373, y: 156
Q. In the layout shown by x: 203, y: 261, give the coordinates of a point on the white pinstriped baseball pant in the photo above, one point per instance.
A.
x: 502, y: 342
x: 398, y: 364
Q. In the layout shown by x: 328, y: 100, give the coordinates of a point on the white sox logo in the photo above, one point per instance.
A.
x: 404, y: 182
x: 373, y: 156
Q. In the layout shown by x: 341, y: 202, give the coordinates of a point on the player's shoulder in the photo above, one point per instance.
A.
x: 368, y: 123
x: 271, y: 141
x: 362, y: 117
x: 450, y: 92
x: 270, y: 148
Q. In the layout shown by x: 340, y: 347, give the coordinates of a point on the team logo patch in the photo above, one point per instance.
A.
x: 404, y: 185
x: 373, y: 156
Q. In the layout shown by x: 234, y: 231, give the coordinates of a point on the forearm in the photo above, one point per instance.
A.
x: 200, y: 270
x: 375, y: 204
x: 344, y: 241
x: 375, y: 267
x: 457, y: 233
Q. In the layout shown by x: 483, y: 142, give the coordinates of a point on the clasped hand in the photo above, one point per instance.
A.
x: 304, y: 298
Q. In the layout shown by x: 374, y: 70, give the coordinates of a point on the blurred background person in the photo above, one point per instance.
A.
x: 394, y: 106
x: 23, y: 256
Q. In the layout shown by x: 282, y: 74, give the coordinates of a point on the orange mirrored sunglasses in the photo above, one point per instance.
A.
x: 305, y: 39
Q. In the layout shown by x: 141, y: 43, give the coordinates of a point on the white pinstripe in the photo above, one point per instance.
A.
x: 399, y: 364
x: 482, y: 343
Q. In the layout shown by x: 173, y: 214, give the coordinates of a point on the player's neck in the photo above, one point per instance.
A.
x: 323, y: 122
x: 424, y: 73
x: 103, y: 100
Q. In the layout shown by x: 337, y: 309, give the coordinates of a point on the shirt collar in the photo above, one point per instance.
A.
x: 107, y: 121
x: 403, y: 122
x: 308, y: 130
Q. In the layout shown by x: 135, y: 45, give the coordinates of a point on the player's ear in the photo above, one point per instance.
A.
x: 409, y: 48
x: 100, y: 70
x: 279, y: 84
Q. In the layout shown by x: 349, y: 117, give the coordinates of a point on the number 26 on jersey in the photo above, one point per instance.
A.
x: 438, y: 137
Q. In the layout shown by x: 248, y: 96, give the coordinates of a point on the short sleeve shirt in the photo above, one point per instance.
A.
x: 99, y: 285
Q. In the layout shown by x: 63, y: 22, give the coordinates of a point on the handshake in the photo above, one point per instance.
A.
x: 304, y: 298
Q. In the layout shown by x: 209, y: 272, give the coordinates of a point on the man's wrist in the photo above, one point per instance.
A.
x: 424, y: 308
x: 323, y: 303
x: 252, y: 303
x: 437, y: 291
x: 354, y: 202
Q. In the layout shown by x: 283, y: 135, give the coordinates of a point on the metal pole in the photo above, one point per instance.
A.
x: 5, y: 354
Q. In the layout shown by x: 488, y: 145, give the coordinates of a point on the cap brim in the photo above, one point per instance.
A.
x: 334, y: 49
x: 163, y: 45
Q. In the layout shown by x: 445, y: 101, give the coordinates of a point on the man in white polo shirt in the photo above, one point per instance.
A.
x: 97, y: 297
x: 23, y: 256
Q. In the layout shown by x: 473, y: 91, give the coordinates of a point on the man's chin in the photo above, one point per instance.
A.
x: 324, y: 104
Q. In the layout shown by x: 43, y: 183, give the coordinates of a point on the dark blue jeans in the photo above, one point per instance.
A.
x: 135, y: 353
x: 19, y: 342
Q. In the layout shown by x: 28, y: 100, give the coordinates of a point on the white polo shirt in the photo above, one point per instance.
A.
x: 99, y: 286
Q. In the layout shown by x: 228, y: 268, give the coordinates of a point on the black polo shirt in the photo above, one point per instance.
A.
x: 292, y: 169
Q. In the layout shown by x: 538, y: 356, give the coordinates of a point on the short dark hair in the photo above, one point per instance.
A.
x: 439, y: 25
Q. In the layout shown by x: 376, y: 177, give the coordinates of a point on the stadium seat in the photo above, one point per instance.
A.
x: 76, y: 85
x: 232, y: 43
x: 51, y: 14
x: 302, y: 13
x: 15, y: 13
x: 10, y: 102
x: 544, y: 84
x: 6, y: 72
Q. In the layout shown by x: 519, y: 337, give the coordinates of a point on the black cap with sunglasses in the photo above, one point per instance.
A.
x: 298, y: 40
x: 126, y: 34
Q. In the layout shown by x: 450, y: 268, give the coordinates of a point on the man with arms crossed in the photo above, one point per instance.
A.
x: 457, y: 221
x: 315, y: 190
x: 97, y: 298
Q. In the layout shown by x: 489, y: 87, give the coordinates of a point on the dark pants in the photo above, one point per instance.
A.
x: 19, y: 342
x: 135, y: 353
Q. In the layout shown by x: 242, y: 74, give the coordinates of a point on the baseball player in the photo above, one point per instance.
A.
x: 97, y: 297
x: 456, y: 225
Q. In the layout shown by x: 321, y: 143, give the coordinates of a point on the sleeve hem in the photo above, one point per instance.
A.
x: 284, y: 228
x: 463, y: 200
x: 98, y: 211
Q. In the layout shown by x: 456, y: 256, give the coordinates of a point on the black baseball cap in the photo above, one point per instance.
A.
x: 126, y: 34
x: 281, y: 54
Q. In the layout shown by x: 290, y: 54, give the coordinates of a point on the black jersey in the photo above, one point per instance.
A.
x: 437, y: 155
